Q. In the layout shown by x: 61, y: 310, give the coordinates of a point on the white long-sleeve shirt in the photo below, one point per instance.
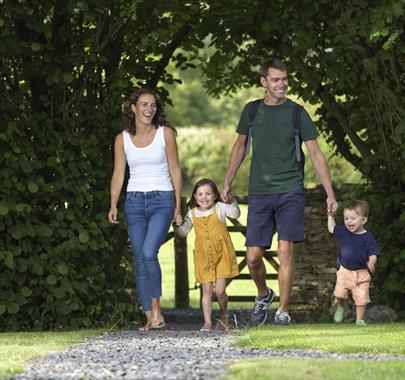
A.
x: 223, y: 211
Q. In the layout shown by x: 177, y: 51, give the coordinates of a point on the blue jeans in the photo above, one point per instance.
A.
x: 149, y: 215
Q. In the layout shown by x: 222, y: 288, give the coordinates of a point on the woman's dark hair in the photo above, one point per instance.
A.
x: 202, y: 182
x: 128, y: 116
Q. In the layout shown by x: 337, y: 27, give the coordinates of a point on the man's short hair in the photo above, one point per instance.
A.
x: 360, y: 207
x: 275, y: 63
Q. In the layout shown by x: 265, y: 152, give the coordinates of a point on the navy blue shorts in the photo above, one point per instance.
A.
x: 266, y: 213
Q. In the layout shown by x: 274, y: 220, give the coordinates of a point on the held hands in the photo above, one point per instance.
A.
x: 177, y: 220
x: 332, y: 206
x: 226, y: 194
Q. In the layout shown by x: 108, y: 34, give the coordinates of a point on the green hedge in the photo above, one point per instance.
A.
x: 61, y: 263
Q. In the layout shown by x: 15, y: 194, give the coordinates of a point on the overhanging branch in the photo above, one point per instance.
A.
x: 168, y: 53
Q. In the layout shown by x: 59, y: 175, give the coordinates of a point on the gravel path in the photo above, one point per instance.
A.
x: 178, y: 352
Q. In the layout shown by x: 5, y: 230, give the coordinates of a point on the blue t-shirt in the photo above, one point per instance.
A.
x: 355, y: 249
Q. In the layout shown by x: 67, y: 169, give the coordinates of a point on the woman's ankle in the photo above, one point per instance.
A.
x: 157, y: 316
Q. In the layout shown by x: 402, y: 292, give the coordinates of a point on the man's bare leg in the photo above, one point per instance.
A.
x: 285, y: 253
x: 257, y: 269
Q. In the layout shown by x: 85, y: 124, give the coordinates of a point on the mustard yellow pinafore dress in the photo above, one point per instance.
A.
x: 214, y: 254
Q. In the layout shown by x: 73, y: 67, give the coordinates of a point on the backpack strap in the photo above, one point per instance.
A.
x: 296, y: 124
x: 253, y: 106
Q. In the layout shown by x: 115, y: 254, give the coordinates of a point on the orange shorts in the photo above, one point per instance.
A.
x: 356, y: 282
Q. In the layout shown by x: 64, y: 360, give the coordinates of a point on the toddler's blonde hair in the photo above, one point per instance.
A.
x: 359, y: 206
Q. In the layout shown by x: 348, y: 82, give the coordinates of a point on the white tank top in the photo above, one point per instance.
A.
x: 148, y: 167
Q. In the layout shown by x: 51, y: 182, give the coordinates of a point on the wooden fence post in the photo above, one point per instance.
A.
x: 182, y: 297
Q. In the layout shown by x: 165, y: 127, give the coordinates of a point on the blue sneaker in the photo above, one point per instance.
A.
x: 259, y: 314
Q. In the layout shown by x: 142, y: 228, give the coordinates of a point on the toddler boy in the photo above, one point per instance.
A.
x: 357, y: 258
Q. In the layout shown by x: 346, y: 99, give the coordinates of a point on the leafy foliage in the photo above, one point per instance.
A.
x: 65, y: 67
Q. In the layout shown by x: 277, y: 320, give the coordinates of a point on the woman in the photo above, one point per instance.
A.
x: 148, y: 145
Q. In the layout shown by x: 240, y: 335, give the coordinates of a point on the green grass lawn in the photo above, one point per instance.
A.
x: 17, y: 348
x: 315, y: 369
x: 348, y: 338
x: 239, y: 287
x: 374, y: 339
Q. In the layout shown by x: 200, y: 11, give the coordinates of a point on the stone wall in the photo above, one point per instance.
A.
x: 315, y: 262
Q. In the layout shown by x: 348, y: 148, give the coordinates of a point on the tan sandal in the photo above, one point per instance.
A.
x: 158, y: 325
x: 158, y: 322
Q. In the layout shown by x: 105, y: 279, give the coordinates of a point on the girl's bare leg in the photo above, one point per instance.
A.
x: 207, y: 305
x: 222, y: 297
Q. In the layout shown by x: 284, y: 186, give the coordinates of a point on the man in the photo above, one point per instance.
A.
x: 276, y: 190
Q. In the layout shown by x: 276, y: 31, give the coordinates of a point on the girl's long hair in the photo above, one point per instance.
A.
x: 128, y: 116
x: 202, y: 182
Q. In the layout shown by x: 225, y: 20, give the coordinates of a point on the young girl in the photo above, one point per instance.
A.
x: 214, y: 254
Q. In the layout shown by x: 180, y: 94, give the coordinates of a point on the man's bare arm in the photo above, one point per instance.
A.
x: 235, y: 160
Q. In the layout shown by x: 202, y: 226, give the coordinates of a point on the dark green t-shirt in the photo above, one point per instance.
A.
x: 274, y: 168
